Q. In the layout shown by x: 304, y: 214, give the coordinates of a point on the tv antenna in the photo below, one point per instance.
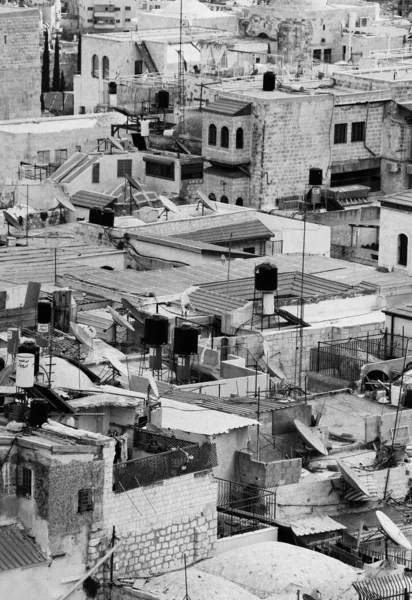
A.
x: 186, y: 596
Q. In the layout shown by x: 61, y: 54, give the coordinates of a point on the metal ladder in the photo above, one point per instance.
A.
x: 147, y: 58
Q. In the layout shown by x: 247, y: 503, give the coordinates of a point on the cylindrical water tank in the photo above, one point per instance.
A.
x: 266, y: 277
x: 155, y: 358
x: 144, y: 128
x: 44, y: 312
x: 269, y: 81
x: 268, y: 303
x: 13, y: 340
x: 185, y: 340
x: 30, y: 347
x: 107, y: 218
x: 156, y: 330
x: 183, y: 368
x: 24, y: 370
x: 39, y: 412
x: 163, y: 99
x: 95, y: 216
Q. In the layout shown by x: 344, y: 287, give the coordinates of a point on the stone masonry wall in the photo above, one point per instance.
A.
x: 19, y: 63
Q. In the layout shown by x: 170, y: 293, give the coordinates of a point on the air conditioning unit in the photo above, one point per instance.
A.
x: 409, y: 169
x: 392, y: 167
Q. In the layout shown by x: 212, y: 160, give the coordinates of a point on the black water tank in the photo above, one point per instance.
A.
x: 107, y: 218
x: 269, y: 81
x: 39, y: 412
x: 156, y: 330
x: 315, y: 176
x: 266, y: 278
x: 30, y: 347
x: 44, y: 312
x: 163, y: 99
x: 95, y: 216
x: 185, y: 340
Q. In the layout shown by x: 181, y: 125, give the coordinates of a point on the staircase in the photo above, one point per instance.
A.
x: 147, y: 58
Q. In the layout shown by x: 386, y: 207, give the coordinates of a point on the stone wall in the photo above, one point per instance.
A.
x: 268, y: 474
x: 393, y: 223
x: 19, y: 63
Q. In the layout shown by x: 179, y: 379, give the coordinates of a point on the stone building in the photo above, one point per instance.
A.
x: 395, y: 232
x: 20, y: 72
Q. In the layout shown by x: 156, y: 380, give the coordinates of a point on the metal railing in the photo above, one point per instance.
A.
x: 385, y: 588
x: 170, y: 458
x: 244, y: 507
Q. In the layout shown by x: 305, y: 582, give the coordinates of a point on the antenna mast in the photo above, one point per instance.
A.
x: 181, y: 74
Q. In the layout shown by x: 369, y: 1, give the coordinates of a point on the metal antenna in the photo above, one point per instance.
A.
x: 186, y: 596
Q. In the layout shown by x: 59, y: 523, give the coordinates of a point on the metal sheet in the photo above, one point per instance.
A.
x: 17, y: 549
x: 310, y: 438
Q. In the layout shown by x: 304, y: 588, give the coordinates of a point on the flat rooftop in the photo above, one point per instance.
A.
x: 166, y: 36
x: 48, y: 125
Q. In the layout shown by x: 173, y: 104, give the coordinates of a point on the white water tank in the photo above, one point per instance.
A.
x: 352, y: 20
x: 25, y: 370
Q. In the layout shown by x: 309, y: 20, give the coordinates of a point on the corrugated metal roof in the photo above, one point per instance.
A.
x: 229, y: 107
x: 196, y: 419
x: 106, y: 399
x: 237, y: 232
x: 400, y: 311
x: 17, y: 549
x: 368, y: 517
x: 73, y: 160
x: 89, y: 199
x: 210, y: 303
x: 313, y: 525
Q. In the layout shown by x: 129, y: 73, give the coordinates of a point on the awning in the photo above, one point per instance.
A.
x: 158, y: 159
x: 315, y: 525
x: 406, y: 105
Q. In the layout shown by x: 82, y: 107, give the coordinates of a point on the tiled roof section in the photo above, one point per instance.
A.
x: 210, y: 303
x: 89, y: 199
x: 200, y: 420
x: 17, y: 549
x: 238, y: 232
x: 229, y: 107
x: 313, y: 525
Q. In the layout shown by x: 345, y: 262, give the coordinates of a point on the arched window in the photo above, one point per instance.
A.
x: 239, y: 201
x: 224, y: 199
x: 403, y: 250
x: 212, y: 197
x: 239, y: 138
x: 224, y: 137
x: 106, y: 67
x: 95, y: 66
x: 212, y: 135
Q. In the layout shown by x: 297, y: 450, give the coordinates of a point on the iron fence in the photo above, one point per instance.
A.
x: 344, y: 359
x: 243, y: 507
x: 177, y: 461
x: 385, y: 588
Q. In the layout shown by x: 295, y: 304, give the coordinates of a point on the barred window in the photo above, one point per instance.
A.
x: 212, y: 135
x: 60, y: 156
x: 86, y: 500
x: 341, y: 132
x: 358, y: 131
x: 403, y: 250
x: 239, y: 138
x: 124, y: 167
x: 96, y: 173
x: 160, y: 169
x: 24, y: 481
x: 224, y: 137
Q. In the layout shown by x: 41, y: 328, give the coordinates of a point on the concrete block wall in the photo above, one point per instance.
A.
x: 268, y: 474
x: 19, y: 63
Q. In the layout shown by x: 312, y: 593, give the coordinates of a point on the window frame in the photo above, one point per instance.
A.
x: 95, y: 66
x: 192, y: 170
x: 160, y: 170
x: 124, y: 165
x: 46, y: 153
x: 327, y: 55
x: 106, y: 67
x: 96, y: 172
x: 340, y: 133
x: 224, y: 137
x: 24, y: 481
x: 58, y: 155
x: 358, y: 131
x: 240, y: 138
x: 403, y: 250
x: 317, y: 54
x: 85, y: 500
x: 212, y: 135
x: 224, y: 199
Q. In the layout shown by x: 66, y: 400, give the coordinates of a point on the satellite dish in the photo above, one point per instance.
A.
x: 11, y: 220
x: 135, y: 184
x: 64, y: 202
x: 153, y: 385
x: 115, y: 143
x: 81, y: 335
x: 392, y: 531
x: 310, y: 438
x: 168, y: 204
x: 117, y: 318
x: 352, y: 478
x: 139, y: 315
x: 116, y: 364
x: 206, y: 202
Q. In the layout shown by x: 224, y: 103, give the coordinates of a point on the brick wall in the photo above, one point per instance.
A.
x: 19, y: 63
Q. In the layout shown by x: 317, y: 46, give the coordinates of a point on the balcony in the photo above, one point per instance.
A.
x: 160, y: 458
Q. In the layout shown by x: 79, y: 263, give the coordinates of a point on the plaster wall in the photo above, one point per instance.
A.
x: 393, y: 223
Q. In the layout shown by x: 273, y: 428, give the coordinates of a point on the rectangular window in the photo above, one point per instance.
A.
x: 343, y: 52
x: 123, y: 167
x: 127, y: 8
x: 250, y: 250
x: 138, y: 67
x: 90, y: 20
x: 23, y: 484
x: 117, y: 20
x: 127, y: 20
x: 78, y: 148
x: 96, y: 173
x: 327, y: 55
x: 86, y: 500
x: 192, y: 171
x: 60, y: 156
x: 317, y: 55
x: 341, y: 132
x: 358, y: 132
x: 162, y: 170
x: 43, y: 157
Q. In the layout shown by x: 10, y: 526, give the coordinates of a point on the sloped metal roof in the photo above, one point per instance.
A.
x: 313, y: 525
x: 207, y: 302
x: 238, y: 232
x: 17, y: 549
x: 89, y: 199
x: 229, y: 107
